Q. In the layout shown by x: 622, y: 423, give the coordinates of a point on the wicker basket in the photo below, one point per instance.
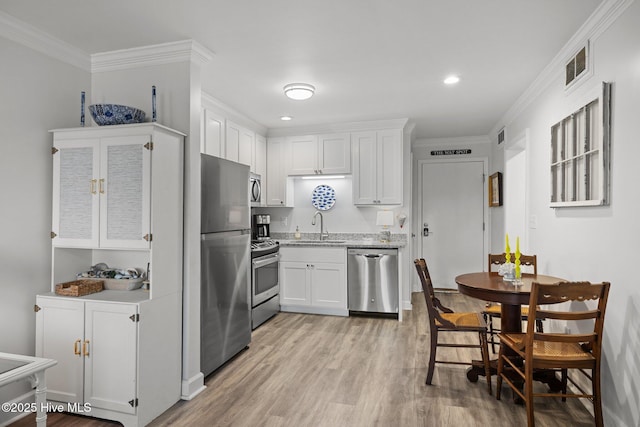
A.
x: 78, y: 288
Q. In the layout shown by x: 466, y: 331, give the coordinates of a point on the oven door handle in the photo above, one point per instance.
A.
x: 265, y: 261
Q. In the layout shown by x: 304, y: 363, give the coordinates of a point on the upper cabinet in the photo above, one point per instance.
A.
x: 232, y: 142
x: 334, y: 153
x: 377, y: 167
x: 320, y: 154
x: 279, y: 185
x: 260, y: 158
x: 101, y: 191
x: 224, y: 138
x: 213, y: 135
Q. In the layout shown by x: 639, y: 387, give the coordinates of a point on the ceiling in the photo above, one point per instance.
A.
x: 368, y: 59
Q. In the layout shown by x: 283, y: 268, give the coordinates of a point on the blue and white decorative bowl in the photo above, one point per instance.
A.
x: 114, y: 114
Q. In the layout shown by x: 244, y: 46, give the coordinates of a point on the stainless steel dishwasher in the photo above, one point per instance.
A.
x: 372, y: 280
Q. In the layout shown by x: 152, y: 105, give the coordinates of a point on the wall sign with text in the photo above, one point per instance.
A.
x: 451, y: 152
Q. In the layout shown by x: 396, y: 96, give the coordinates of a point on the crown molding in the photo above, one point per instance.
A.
x: 20, y: 32
x: 165, y: 53
x: 600, y: 20
x: 212, y: 103
x: 339, y: 127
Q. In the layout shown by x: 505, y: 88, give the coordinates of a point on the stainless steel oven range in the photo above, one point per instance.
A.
x: 265, y: 286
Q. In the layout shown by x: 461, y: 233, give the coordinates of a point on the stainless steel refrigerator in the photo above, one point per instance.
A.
x: 225, y: 323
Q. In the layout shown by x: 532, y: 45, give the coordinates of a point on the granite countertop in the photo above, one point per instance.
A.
x: 351, y: 240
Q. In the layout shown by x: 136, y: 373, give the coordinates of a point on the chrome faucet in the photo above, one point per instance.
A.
x: 323, y: 234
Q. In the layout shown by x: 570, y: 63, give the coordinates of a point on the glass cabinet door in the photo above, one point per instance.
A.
x: 75, y: 193
x: 125, y: 186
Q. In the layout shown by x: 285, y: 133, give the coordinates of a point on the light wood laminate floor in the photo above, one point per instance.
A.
x: 308, y: 370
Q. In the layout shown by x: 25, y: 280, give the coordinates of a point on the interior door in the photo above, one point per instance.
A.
x: 453, y: 219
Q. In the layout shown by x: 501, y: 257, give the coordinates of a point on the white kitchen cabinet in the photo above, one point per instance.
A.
x: 313, y: 280
x: 377, y: 167
x: 279, y: 184
x: 303, y: 154
x: 232, y: 141
x: 246, y: 148
x: 320, y: 154
x: 239, y: 144
x: 260, y: 160
x: 334, y: 153
x: 213, y: 135
x: 294, y: 283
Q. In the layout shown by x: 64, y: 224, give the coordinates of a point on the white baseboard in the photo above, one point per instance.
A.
x: 193, y: 386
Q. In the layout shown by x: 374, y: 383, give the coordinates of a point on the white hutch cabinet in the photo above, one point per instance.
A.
x: 118, y: 199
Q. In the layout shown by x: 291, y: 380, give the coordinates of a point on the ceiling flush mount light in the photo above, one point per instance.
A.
x: 451, y: 80
x: 299, y: 91
x: 286, y: 118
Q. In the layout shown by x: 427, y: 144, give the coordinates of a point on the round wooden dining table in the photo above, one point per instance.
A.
x: 492, y: 287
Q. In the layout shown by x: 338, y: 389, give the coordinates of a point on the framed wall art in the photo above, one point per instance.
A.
x: 580, y: 146
x: 495, y: 190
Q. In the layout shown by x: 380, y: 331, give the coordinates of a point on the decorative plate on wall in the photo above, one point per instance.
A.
x: 323, y: 197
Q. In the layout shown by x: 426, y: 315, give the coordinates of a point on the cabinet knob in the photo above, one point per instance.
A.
x: 76, y: 348
x: 85, y: 348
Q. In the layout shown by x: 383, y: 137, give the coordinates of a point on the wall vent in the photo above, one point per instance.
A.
x: 576, y: 66
x: 501, y: 136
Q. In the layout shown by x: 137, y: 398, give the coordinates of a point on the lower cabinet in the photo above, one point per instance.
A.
x: 313, y: 280
x: 97, y: 345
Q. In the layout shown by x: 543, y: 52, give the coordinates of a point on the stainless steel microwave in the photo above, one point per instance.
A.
x: 255, y: 189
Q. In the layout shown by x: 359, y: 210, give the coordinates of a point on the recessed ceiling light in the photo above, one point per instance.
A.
x: 285, y: 118
x: 451, y: 80
x: 299, y: 91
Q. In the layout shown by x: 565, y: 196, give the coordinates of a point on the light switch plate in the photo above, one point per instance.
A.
x: 533, y: 221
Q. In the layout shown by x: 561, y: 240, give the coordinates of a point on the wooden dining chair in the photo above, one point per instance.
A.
x: 492, y: 310
x: 560, y: 352
x: 443, y: 319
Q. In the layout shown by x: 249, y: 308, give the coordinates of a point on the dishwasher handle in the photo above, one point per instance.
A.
x: 372, y: 252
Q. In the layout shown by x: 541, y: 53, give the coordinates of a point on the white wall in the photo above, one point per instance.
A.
x: 38, y: 94
x: 596, y: 243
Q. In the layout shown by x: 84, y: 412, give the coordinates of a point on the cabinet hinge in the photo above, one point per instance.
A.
x: 54, y: 150
x: 134, y: 403
x: 135, y: 317
x: 36, y: 308
x: 148, y: 237
x: 149, y: 145
x: 53, y: 235
x: 484, y: 178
